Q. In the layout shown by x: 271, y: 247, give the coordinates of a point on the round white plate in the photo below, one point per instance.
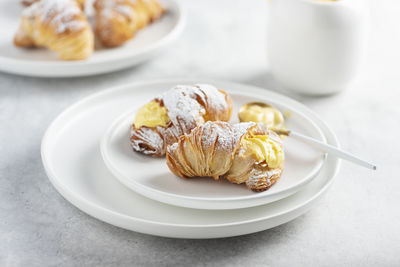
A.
x: 72, y: 160
x: 151, y: 177
x: 147, y: 43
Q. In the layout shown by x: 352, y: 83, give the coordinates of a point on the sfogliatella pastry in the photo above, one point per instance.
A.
x: 118, y: 20
x: 162, y: 121
x: 59, y: 25
x: 247, y: 153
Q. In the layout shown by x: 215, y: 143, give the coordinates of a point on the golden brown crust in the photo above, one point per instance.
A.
x: 28, y: 2
x: 187, y: 107
x: 264, y: 182
x: 118, y: 20
x: 214, y: 150
x: 147, y: 140
x: 58, y: 25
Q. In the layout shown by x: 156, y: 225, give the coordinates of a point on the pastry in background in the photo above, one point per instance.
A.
x: 30, y: 2
x: 247, y: 153
x: 118, y: 20
x: 59, y: 25
x: 162, y: 121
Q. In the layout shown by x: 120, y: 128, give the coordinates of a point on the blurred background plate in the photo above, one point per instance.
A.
x: 147, y: 43
x: 72, y: 160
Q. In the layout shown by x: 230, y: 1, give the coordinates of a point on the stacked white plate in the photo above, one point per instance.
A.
x: 87, y: 156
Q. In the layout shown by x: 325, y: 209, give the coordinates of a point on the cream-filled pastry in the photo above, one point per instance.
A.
x: 247, y: 153
x: 263, y: 148
x: 163, y: 120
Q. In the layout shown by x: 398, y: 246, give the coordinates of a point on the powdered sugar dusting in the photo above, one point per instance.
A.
x: 183, y: 105
x: 186, y: 107
x: 123, y: 7
x: 71, y: 26
x: 144, y: 137
x: 173, y: 147
x: 217, y: 156
x: 60, y: 14
x: 124, y: 10
x: 262, y: 177
x: 239, y: 129
x: 218, y: 133
x: 209, y: 136
x: 31, y: 11
x: 214, y: 97
x: 183, y: 108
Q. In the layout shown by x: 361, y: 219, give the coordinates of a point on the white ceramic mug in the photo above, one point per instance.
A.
x: 314, y: 46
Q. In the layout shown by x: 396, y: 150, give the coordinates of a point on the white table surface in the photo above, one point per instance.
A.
x: 356, y: 224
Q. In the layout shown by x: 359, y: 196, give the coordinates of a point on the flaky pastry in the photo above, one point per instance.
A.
x: 58, y: 25
x: 247, y: 153
x: 162, y: 121
x: 118, y: 20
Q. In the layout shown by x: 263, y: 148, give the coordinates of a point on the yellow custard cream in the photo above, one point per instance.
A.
x: 264, y: 149
x: 268, y: 115
x: 151, y: 115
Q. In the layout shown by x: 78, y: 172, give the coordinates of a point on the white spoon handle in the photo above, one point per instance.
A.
x: 331, y: 150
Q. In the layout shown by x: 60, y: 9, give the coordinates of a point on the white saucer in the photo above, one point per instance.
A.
x: 147, y: 43
x: 151, y: 177
x: 72, y: 160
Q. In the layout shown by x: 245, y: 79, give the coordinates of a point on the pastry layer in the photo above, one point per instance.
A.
x: 175, y: 113
x: 247, y: 153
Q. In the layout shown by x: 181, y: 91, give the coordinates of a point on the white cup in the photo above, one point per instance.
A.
x: 313, y: 46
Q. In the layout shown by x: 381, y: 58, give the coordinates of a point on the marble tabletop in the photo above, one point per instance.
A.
x: 356, y: 223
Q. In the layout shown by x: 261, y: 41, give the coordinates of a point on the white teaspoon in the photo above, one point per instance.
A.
x: 327, y: 148
x: 276, y: 116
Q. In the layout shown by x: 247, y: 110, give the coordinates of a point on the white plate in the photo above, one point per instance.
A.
x: 72, y: 160
x: 151, y: 177
x: 147, y: 43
